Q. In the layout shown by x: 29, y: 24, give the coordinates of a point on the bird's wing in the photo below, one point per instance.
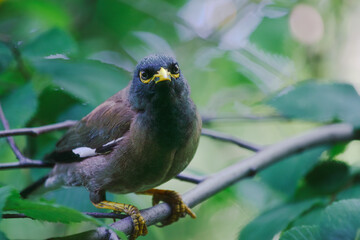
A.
x: 97, y: 133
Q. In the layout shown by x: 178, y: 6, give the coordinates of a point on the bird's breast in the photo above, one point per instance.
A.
x: 159, y: 145
x: 156, y: 141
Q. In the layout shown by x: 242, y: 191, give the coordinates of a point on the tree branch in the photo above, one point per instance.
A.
x: 209, y: 186
x: 190, y: 178
x: 221, y: 180
x: 23, y: 161
x: 92, y: 214
x: 228, y: 138
x: 37, y: 130
x: 10, y: 140
x: 231, y: 118
x: 28, y: 164
x: 206, y: 186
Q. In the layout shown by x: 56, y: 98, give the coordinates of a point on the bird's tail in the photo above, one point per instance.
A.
x: 34, y: 186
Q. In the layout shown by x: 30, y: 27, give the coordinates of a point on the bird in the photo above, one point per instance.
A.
x: 139, y: 138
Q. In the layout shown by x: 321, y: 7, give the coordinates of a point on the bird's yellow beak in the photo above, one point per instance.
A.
x: 162, y: 75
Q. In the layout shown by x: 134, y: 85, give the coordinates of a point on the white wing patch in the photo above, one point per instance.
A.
x: 113, y: 141
x: 84, y: 152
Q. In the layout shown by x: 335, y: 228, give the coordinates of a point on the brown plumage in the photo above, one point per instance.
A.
x: 136, y: 140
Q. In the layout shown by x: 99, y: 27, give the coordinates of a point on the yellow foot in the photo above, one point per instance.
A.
x: 179, y: 208
x: 138, y: 220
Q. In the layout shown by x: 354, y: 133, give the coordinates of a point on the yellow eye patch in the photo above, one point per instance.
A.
x: 161, y: 75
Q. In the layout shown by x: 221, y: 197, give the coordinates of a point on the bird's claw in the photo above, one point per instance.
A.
x: 140, y: 228
x: 178, y: 207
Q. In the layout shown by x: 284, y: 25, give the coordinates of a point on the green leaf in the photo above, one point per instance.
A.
x: 337, y: 149
x: 311, y: 217
x: 2, y: 236
x: 45, y: 211
x: 302, y: 233
x: 20, y: 105
x: 353, y: 192
x: 77, y: 198
x: 53, y: 102
x: 258, y: 194
x: 328, y: 176
x: 285, y: 175
x: 274, y: 220
x: 341, y: 220
x: 75, y: 112
x: 4, y: 194
x: 10, y: 79
x: 5, y: 57
x: 91, y: 81
x: 119, y: 234
x: 319, y: 103
x: 42, y: 14
x: 54, y: 41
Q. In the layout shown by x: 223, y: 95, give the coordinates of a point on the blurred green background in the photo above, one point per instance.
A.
x: 60, y: 59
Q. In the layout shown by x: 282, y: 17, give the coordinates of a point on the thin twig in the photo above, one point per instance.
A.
x: 14, y: 215
x: 190, y: 178
x: 232, y: 118
x: 37, y: 130
x: 228, y: 138
x: 92, y: 214
x: 28, y: 164
x: 10, y: 139
x: 105, y: 215
x: 221, y: 180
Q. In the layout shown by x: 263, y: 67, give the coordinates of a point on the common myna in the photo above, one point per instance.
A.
x: 139, y: 138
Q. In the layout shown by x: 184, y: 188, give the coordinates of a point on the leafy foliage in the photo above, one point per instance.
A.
x: 60, y: 59
x: 292, y: 169
x: 40, y: 210
x: 319, y: 102
x: 20, y: 105
x: 302, y: 233
x: 61, y: 43
x: 273, y: 221
x: 328, y: 176
x: 4, y: 194
x: 102, y: 80
x: 341, y: 220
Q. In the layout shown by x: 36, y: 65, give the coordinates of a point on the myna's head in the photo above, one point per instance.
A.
x: 157, y: 77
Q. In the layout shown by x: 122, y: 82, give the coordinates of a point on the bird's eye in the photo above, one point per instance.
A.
x: 175, y: 69
x: 145, y: 76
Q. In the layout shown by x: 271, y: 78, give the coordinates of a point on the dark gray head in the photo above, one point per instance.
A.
x: 157, y: 79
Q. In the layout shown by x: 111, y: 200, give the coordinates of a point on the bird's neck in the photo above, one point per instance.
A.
x: 168, y: 117
x: 166, y: 109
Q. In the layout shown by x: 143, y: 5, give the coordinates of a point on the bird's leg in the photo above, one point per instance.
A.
x: 98, y: 200
x: 179, y: 208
